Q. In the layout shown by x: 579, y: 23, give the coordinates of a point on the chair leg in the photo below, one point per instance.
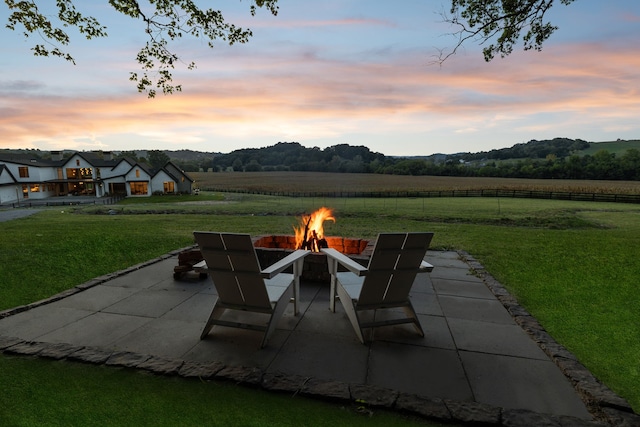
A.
x: 278, y: 311
x: 297, y: 272
x: 350, y: 309
x: 332, y: 265
x: 411, y: 314
x: 215, y: 315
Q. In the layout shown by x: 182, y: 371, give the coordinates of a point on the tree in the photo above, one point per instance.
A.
x: 499, y: 23
x: 163, y: 21
x: 158, y: 158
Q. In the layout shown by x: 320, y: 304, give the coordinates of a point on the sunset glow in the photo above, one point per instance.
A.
x: 356, y: 74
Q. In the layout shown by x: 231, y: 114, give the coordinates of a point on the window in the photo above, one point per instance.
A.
x: 137, y: 173
x: 77, y: 162
x: 23, y: 171
x: 35, y: 188
x: 73, y: 173
x: 86, y: 173
x: 60, y: 176
x: 138, y: 188
x: 168, y: 186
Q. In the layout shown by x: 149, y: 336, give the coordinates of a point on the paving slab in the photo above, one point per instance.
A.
x: 473, y: 351
x: 441, y: 373
x: 516, y: 383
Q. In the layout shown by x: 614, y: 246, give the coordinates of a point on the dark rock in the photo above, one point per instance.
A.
x: 331, y: 390
x: 473, y: 412
x: 126, y: 359
x: 161, y: 365
x: 621, y: 418
x: 8, y: 341
x: 26, y: 348
x: 58, y: 351
x: 90, y: 355
x: 241, y: 375
x: 373, y: 395
x: 426, y: 407
x: 200, y: 370
x: 283, y: 383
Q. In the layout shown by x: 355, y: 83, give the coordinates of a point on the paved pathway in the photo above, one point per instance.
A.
x: 9, y: 214
x: 476, y: 363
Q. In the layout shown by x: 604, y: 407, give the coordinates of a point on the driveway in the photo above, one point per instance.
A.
x: 9, y: 214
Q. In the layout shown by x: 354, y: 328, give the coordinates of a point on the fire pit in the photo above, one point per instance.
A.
x: 272, y: 248
x: 309, y: 234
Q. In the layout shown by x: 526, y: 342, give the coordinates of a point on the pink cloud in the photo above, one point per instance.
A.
x: 308, y: 95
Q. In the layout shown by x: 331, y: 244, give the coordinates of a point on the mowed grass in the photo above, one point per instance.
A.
x: 39, y: 392
x: 573, y: 265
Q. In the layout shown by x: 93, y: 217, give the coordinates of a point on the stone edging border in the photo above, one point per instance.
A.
x: 601, y: 401
x: 608, y: 408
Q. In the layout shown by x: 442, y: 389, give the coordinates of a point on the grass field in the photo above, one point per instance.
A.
x: 573, y: 265
x: 616, y: 147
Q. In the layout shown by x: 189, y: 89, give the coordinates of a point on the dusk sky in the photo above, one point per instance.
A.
x: 330, y: 72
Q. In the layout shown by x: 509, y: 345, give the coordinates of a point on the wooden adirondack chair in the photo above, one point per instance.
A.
x: 385, y: 283
x: 241, y: 284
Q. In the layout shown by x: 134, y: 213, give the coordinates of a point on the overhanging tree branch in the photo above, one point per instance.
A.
x: 499, y: 23
x: 164, y: 21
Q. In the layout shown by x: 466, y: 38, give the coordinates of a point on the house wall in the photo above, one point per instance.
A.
x: 117, y: 171
x: 183, y: 184
x: 157, y: 182
x: 44, y: 181
x: 8, y: 194
x: 138, y: 175
x: 30, y: 187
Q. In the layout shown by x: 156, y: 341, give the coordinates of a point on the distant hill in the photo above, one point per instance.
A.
x: 555, y: 158
x: 618, y: 147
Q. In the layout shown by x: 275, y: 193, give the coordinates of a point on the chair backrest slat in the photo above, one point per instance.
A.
x: 234, y: 268
x: 393, y: 267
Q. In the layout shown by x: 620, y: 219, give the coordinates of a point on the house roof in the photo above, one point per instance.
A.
x: 170, y: 169
x: 26, y: 159
x: 5, y: 169
x: 95, y: 159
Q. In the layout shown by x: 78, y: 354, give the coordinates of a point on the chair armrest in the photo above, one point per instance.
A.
x: 425, y: 267
x: 280, y: 266
x: 346, y: 262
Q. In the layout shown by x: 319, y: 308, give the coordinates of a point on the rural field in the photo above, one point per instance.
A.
x: 572, y: 264
x: 314, y: 182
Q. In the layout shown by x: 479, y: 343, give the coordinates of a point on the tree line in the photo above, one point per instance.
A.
x: 558, y: 158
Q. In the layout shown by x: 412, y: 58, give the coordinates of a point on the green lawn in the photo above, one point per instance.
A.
x: 573, y: 265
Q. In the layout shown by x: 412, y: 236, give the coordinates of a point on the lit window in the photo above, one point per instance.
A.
x: 137, y: 173
x: 23, y: 171
x: 169, y: 187
x: 138, y: 188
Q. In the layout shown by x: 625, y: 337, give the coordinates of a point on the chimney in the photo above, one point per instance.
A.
x: 107, y: 155
x: 56, y: 156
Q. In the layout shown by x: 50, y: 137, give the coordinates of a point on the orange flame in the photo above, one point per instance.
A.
x: 313, y: 226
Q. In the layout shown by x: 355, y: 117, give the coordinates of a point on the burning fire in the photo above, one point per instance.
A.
x: 310, y: 233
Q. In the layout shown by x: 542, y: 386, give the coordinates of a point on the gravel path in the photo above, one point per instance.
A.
x: 8, y: 215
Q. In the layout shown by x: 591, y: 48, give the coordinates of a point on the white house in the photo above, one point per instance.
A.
x: 24, y: 177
